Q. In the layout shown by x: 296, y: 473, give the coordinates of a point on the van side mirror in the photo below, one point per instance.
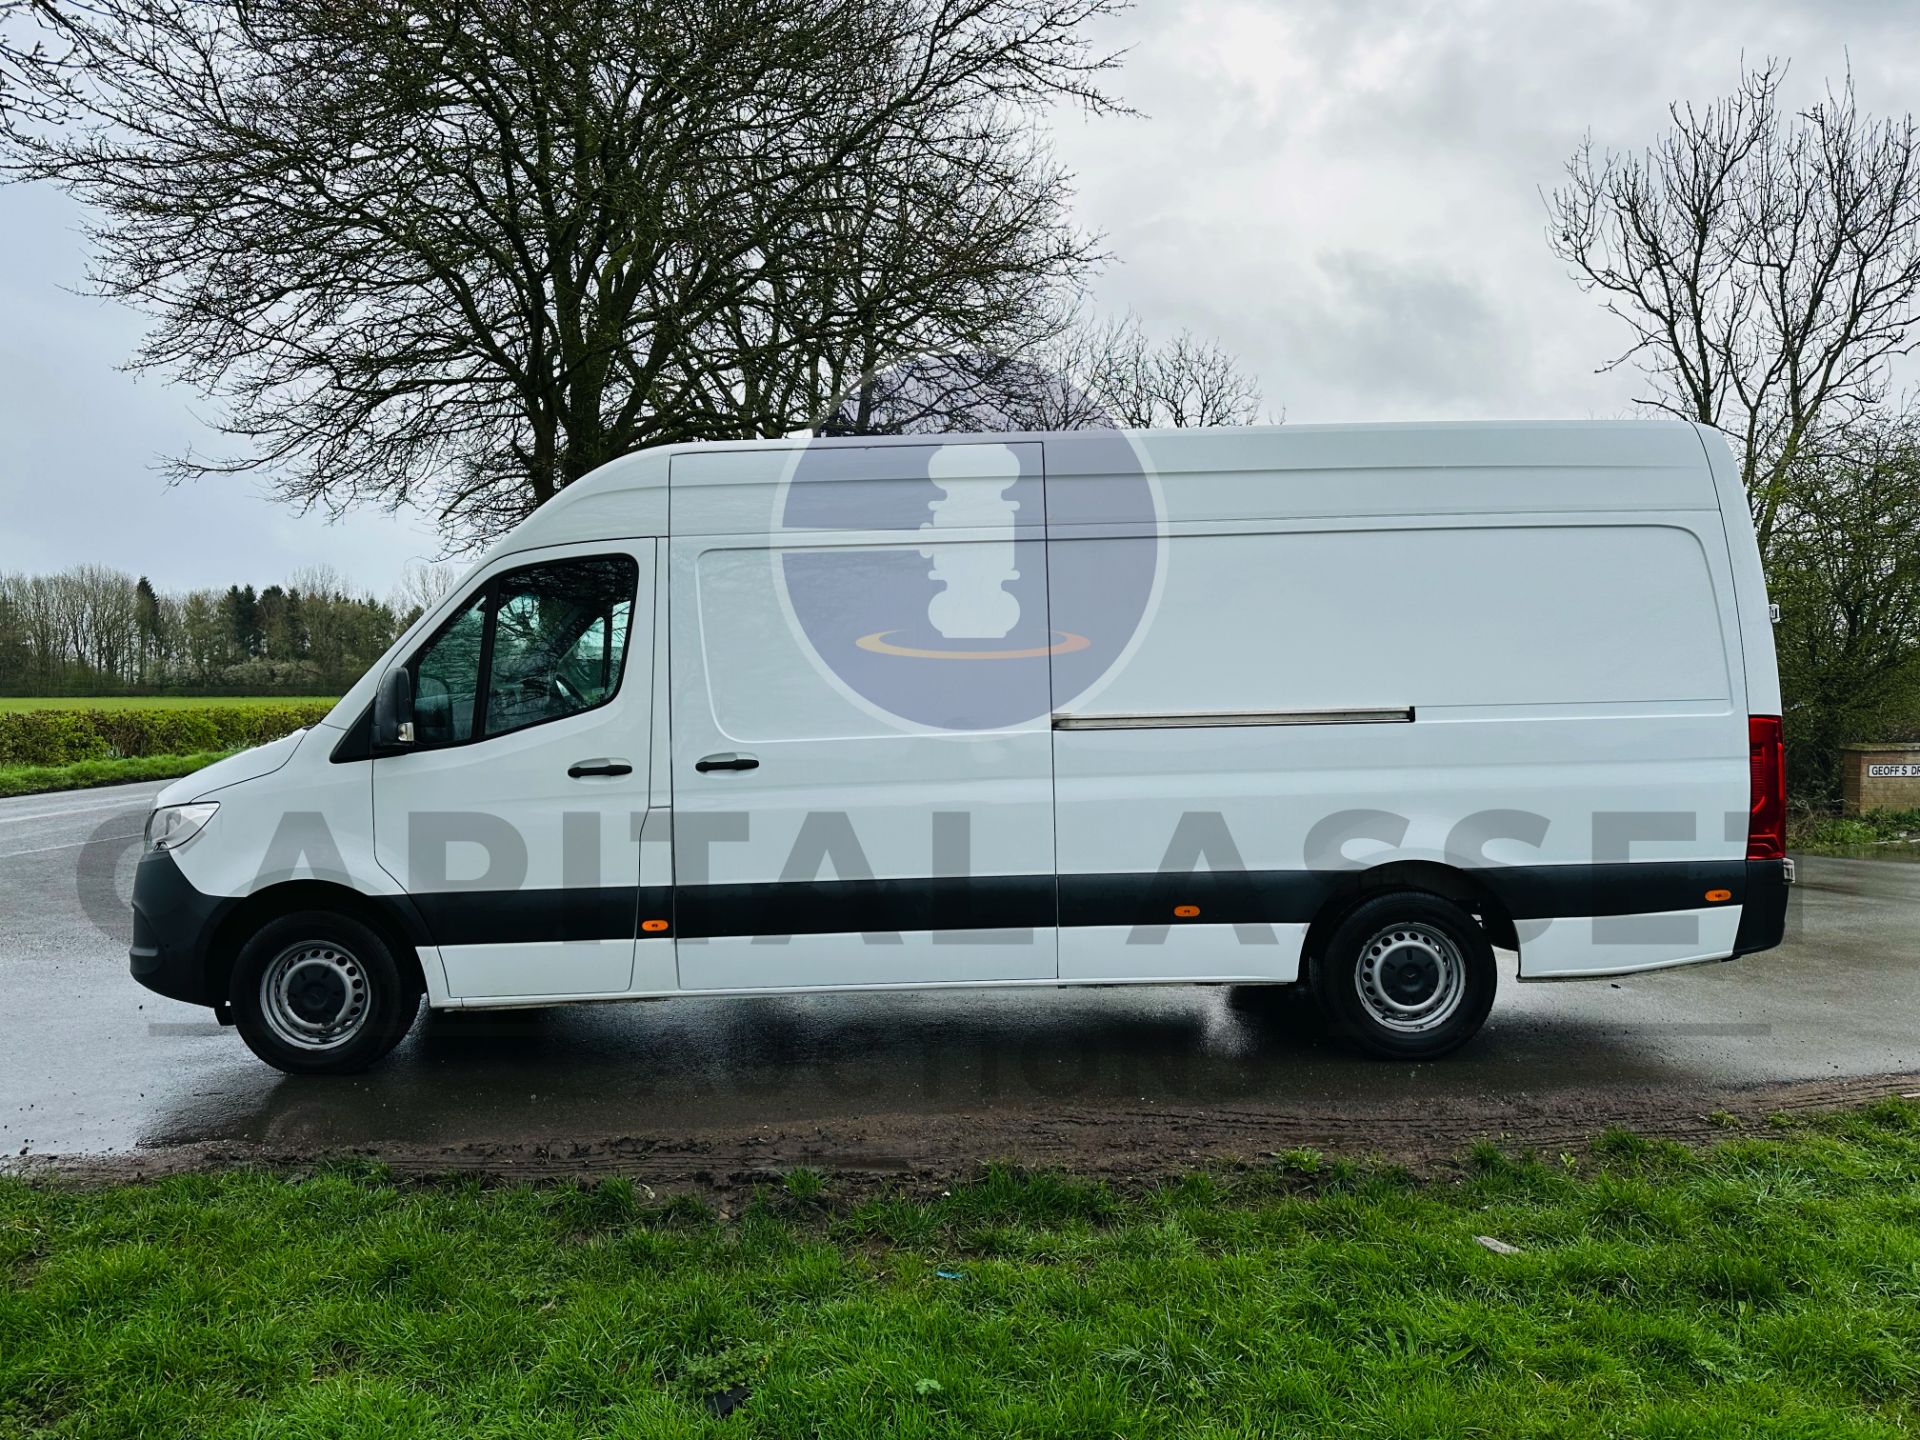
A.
x: 393, y: 710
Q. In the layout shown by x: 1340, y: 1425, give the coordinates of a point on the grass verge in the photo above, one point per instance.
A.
x: 1886, y: 830
x: 24, y: 703
x: 1765, y: 1287
x: 84, y: 774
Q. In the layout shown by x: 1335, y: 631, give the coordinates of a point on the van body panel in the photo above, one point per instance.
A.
x: 1257, y: 953
x: 1564, y: 948
x: 316, y: 825
x: 844, y: 487
x: 254, y: 764
x: 1405, y: 587
x: 1320, y: 472
x: 624, y: 499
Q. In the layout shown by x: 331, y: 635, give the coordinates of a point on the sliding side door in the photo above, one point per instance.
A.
x: 861, y: 752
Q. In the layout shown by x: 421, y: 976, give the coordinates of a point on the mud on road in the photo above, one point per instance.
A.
x: 1127, y: 1146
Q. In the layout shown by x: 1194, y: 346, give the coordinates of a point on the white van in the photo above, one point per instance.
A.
x: 1344, y: 705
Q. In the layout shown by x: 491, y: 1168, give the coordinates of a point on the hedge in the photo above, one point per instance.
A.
x: 67, y: 737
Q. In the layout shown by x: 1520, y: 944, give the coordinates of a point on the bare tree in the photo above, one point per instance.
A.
x: 459, y: 252
x: 422, y: 586
x: 320, y: 578
x: 1078, y: 373
x: 36, y: 59
x: 1176, y: 384
x: 1768, y: 265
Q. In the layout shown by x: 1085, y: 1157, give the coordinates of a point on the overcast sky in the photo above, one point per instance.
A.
x: 1345, y: 193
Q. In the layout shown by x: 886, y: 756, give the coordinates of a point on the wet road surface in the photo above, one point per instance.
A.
x: 91, y: 1062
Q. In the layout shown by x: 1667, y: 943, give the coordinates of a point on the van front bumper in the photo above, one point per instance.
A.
x: 173, y: 927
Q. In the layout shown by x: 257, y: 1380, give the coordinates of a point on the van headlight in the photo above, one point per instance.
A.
x: 171, y: 826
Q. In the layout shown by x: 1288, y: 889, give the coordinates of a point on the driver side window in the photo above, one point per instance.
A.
x: 559, y: 637
x: 550, y: 641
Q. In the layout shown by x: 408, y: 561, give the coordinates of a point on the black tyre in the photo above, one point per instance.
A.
x: 319, y: 993
x: 1409, y: 976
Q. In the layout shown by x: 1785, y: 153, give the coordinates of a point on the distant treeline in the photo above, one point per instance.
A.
x: 93, y: 630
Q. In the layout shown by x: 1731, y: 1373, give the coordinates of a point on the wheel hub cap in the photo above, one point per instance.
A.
x: 1410, y: 978
x: 1409, y: 974
x: 314, y: 996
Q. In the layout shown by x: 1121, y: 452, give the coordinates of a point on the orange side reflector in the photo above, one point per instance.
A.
x: 653, y: 927
x: 1718, y: 895
x: 1186, y: 912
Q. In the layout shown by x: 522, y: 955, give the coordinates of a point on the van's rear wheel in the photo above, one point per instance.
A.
x: 317, y: 993
x: 1409, y: 976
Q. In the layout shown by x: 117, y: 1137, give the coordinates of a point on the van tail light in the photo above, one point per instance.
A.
x: 1767, y: 796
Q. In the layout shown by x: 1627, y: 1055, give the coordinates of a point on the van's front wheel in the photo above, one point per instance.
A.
x: 1409, y: 976
x: 317, y: 993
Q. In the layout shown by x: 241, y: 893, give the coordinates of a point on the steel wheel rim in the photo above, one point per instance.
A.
x: 1411, y: 978
x: 313, y: 995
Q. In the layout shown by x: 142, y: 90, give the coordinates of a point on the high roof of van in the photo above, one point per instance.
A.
x: 1226, y: 473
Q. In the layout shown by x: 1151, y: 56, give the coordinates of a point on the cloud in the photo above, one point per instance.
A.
x: 1406, y: 334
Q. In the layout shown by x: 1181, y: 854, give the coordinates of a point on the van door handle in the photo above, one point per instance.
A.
x: 726, y: 760
x: 582, y: 768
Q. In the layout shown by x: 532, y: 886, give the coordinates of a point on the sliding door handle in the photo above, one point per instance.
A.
x: 726, y: 761
x: 580, y: 769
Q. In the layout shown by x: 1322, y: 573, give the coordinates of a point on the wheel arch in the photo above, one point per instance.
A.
x: 388, y: 917
x: 1430, y: 877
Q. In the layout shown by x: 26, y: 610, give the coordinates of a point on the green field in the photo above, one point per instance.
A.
x: 1766, y: 1287
x: 152, y: 702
